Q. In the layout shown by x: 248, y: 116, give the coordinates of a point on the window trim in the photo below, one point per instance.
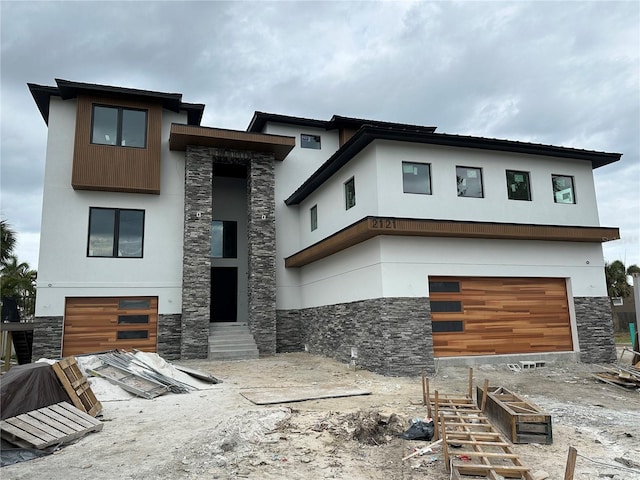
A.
x: 429, y: 184
x: 313, y: 212
x: 573, y: 189
x: 528, y: 176
x: 116, y: 232
x: 351, y: 181
x: 120, y: 110
x: 479, y: 169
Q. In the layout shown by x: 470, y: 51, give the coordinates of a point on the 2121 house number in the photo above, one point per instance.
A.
x: 383, y: 223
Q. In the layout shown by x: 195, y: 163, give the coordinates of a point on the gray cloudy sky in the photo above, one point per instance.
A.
x: 561, y: 73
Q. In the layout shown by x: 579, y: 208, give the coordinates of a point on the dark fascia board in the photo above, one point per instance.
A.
x: 260, y: 119
x: 67, y: 90
x: 338, y: 121
x: 367, y: 134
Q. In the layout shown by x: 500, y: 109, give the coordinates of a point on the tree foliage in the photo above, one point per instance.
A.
x: 7, y: 241
x: 17, y: 280
x: 617, y: 278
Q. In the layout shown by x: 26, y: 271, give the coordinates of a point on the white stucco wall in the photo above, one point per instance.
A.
x: 64, y: 270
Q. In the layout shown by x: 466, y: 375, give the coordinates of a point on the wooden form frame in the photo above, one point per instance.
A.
x: 520, y: 420
x: 483, y: 452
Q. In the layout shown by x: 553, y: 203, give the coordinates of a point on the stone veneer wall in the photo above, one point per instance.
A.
x: 289, y: 331
x: 262, y: 252
x: 47, y: 338
x: 196, y: 280
x: 393, y: 335
x: 196, y: 253
x: 169, y: 336
x: 595, y: 329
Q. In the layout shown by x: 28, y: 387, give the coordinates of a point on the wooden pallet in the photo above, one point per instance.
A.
x: 471, y: 445
x: 77, y: 386
x: 520, y: 420
x: 53, y: 425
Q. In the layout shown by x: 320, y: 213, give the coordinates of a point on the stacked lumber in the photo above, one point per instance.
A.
x: 624, y: 375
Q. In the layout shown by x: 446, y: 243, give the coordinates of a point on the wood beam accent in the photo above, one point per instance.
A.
x: 183, y: 135
x: 370, y: 227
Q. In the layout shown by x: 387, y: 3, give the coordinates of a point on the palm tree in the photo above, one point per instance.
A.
x: 7, y: 241
x: 18, y: 281
x: 617, y: 278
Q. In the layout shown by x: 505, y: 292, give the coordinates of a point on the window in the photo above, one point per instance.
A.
x: 563, y: 191
x: 445, y: 287
x: 518, y: 185
x: 132, y: 334
x: 447, y: 326
x: 133, y: 319
x: 416, y: 178
x: 115, y: 233
x: 439, y: 306
x: 310, y: 141
x: 224, y: 239
x: 469, y: 182
x: 314, y: 218
x: 120, y: 126
x: 350, y: 193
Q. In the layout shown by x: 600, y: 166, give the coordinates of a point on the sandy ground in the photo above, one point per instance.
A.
x: 216, y: 433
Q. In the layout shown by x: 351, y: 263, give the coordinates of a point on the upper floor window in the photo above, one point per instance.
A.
x: 125, y: 127
x: 224, y: 239
x: 314, y: 217
x: 310, y: 141
x: 518, y: 185
x: 469, y: 181
x: 563, y: 189
x: 416, y: 178
x: 115, y: 232
x: 350, y: 193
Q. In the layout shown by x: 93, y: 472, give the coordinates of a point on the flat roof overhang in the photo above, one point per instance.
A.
x: 182, y: 135
x: 370, y: 227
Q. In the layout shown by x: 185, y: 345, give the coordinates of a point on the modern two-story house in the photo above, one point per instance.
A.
x: 346, y: 237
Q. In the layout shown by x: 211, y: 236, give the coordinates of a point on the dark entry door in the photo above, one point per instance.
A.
x: 224, y: 294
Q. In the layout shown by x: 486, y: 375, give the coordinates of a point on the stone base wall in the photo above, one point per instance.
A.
x: 47, y: 338
x: 169, y: 336
x: 594, y: 322
x: 392, y: 335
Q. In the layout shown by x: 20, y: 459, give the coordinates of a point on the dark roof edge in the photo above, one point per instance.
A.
x: 260, y: 119
x: 367, y: 134
x: 67, y: 90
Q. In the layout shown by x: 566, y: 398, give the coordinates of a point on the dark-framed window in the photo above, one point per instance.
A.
x: 350, y: 193
x: 518, y: 186
x: 469, y: 181
x: 416, y: 178
x: 115, y: 232
x: 314, y: 217
x: 447, y: 326
x: 310, y: 141
x: 224, y: 239
x: 563, y: 189
x: 124, y: 127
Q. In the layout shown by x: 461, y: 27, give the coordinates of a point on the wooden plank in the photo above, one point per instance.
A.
x: 77, y: 386
x: 300, y: 394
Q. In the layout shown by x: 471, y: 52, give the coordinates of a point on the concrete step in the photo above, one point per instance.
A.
x: 231, y: 341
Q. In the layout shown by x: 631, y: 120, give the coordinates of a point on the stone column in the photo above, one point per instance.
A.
x: 196, y: 269
x: 47, y: 338
x: 594, y: 323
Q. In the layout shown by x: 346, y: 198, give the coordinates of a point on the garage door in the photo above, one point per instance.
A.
x: 99, y: 324
x: 492, y: 316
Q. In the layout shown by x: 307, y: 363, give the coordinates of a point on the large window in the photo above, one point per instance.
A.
x: 115, y: 232
x: 224, y: 239
x: 416, y: 178
x: 310, y: 141
x: 350, y: 193
x: 518, y: 185
x: 314, y: 217
x: 469, y: 182
x: 563, y: 189
x: 125, y: 127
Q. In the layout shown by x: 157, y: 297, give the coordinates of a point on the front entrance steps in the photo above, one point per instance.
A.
x: 231, y: 341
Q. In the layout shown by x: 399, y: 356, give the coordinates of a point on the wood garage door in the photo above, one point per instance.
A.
x: 492, y: 316
x: 99, y: 324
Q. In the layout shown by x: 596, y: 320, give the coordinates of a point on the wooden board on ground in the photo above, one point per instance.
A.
x: 299, y: 394
x: 519, y: 419
x: 77, y: 386
x: 52, y: 425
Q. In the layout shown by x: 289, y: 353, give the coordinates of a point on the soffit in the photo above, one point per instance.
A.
x: 371, y: 227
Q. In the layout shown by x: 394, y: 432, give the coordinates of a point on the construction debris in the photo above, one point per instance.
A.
x: 623, y: 375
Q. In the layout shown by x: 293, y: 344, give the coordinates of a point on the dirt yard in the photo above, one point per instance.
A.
x: 217, y: 433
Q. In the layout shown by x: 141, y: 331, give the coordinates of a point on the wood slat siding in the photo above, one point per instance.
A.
x: 505, y: 316
x: 113, y: 168
x: 91, y: 325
